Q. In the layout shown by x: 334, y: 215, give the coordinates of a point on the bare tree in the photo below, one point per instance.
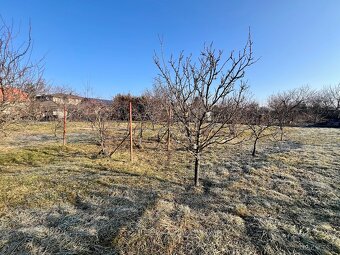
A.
x: 100, y: 123
x: 260, y: 123
x: 156, y: 104
x: 205, y: 96
x: 139, y: 105
x: 20, y: 78
x: 158, y: 111
x: 139, y: 113
x: 333, y: 95
x: 98, y: 114
x: 285, y: 106
x: 318, y: 106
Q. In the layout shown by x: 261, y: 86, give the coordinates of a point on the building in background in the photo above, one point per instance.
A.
x: 52, y: 106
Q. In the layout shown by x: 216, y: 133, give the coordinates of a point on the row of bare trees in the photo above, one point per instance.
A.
x: 197, y: 103
x: 205, y: 103
x: 211, y: 106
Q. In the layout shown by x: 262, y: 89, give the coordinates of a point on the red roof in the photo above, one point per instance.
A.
x: 12, y: 95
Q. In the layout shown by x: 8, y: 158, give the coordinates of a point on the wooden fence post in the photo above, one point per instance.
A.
x: 169, y: 125
x: 64, y: 132
x: 130, y: 131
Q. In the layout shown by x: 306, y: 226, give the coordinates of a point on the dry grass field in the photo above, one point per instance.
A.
x: 66, y: 200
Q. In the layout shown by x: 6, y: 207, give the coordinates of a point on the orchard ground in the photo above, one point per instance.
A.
x: 69, y: 200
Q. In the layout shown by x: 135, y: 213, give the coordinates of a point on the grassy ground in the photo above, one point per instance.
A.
x: 66, y: 200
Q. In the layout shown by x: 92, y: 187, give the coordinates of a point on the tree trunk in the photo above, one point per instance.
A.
x: 197, y: 169
x: 141, y: 135
x: 56, y: 124
x: 102, y: 138
x: 168, y: 142
x: 281, y: 129
x: 254, y: 148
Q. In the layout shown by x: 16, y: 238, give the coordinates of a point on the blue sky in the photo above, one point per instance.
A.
x: 110, y: 44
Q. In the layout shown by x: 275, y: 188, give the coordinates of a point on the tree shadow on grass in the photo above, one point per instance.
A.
x: 295, y: 227
x: 23, y: 140
x: 81, y: 138
x: 304, y: 225
x: 88, y: 226
x: 278, y: 241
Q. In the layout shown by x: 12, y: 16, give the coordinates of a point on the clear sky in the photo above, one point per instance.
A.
x: 110, y: 44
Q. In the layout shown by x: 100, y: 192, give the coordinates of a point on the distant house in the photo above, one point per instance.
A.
x: 60, y: 98
x: 12, y: 100
x: 52, y: 105
x: 13, y: 95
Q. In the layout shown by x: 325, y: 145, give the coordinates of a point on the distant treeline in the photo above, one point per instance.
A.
x: 301, y: 106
